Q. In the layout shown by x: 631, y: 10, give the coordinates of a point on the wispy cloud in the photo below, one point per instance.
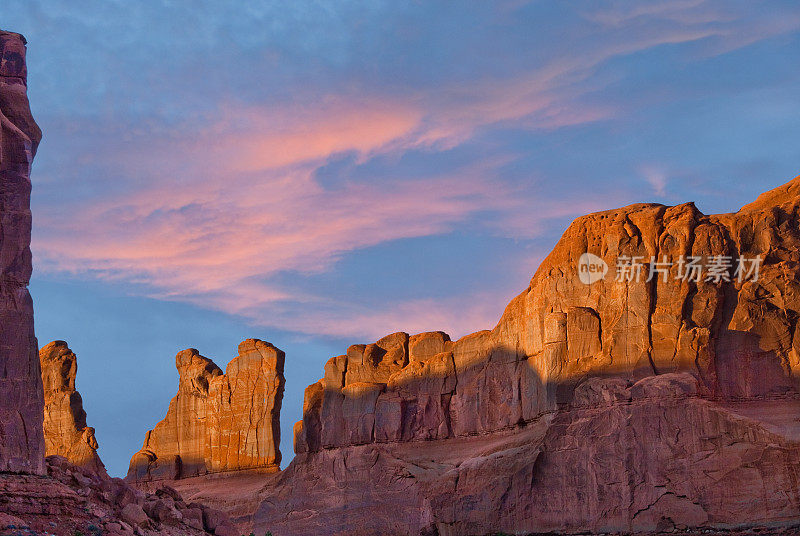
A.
x: 211, y: 210
x: 456, y: 315
x: 656, y: 178
x: 247, y: 205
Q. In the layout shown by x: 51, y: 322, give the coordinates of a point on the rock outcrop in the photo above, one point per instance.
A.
x: 654, y: 397
x: 624, y: 456
x: 738, y: 336
x: 21, y: 403
x: 50, y: 496
x: 76, y: 495
x: 65, y: 430
x: 218, y: 422
x: 71, y: 500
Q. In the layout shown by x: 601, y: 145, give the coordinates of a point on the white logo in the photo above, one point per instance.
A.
x: 591, y: 268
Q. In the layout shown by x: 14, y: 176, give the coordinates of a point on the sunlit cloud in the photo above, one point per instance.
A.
x: 211, y: 209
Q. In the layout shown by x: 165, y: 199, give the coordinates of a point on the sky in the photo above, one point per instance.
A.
x: 319, y: 174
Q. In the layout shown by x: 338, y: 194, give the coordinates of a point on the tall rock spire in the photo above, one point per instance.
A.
x: 21, y: 398
x: 65, y: 430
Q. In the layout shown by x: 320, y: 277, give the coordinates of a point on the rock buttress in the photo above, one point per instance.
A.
x: 739, y: 337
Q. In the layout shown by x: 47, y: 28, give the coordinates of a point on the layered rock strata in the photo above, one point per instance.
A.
x: 218, y: 422
x: 21, y: 403
x: 65, y: 430
x: 645, y: 457
x: 739, y: 336
x: 640, y: 402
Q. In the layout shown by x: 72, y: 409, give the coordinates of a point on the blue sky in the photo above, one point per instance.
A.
x: 317, y: 174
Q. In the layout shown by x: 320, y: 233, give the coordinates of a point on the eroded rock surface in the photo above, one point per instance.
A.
x: 738, y: 337
x: 624, y: 456
x: 21, y: 403
x: 65, y: 430
x: 218, y: 422
x: 631, y: 404
x: 71, y: 500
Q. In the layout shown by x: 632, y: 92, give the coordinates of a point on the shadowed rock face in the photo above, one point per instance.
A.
x: 65, y: 430
x: 218, y: 422
x: 738, y: 337
x: 622, y: 405
x: 21, y: 402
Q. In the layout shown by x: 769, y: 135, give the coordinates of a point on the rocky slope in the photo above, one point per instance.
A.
x: 644, y: 457
x: 71, y: 500
x: 627, y: 404
x: 65, y: 430
x: 21, y: 440
x: 218, y: 422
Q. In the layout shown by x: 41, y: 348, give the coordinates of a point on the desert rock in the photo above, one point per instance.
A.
x: 218, y: 422
x: 21, y: 437
x: 632, y: 404
x: 65, y: 430
x: 72, y: 500
x: 735, y: 334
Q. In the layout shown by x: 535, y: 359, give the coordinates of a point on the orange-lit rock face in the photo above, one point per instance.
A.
x: 738, y: 337
x: 218, y: 422
x: 65, y: 430
x: 21, y: 402
x: 618, y: 405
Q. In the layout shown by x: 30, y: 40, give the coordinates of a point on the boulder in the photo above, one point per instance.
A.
x: 134, y: 515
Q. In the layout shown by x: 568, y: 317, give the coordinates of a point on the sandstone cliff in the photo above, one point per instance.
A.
x: 628, y: 404
x: 21, y: 440
x: 218, y: 422
x: 738, y: 337
x: 65, y: 430
x: 51, y: 496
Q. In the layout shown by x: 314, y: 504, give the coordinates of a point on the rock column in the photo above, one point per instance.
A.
x: 21, y: 398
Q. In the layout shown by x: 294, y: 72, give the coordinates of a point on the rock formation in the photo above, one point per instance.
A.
x: 65, y: 430
x: 76, y: 495
x: 218, y: 422
x: 623, y: 456
x: 21, y: 440
x: 739, y: 338
x: 73, y: 500
x: 51, y: 496
x: 639, y: 402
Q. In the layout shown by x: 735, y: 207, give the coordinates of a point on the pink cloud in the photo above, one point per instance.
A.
x: 217, y: 241
x: 252, y: 139
x: 216, y: 213
x: 217, y: 233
